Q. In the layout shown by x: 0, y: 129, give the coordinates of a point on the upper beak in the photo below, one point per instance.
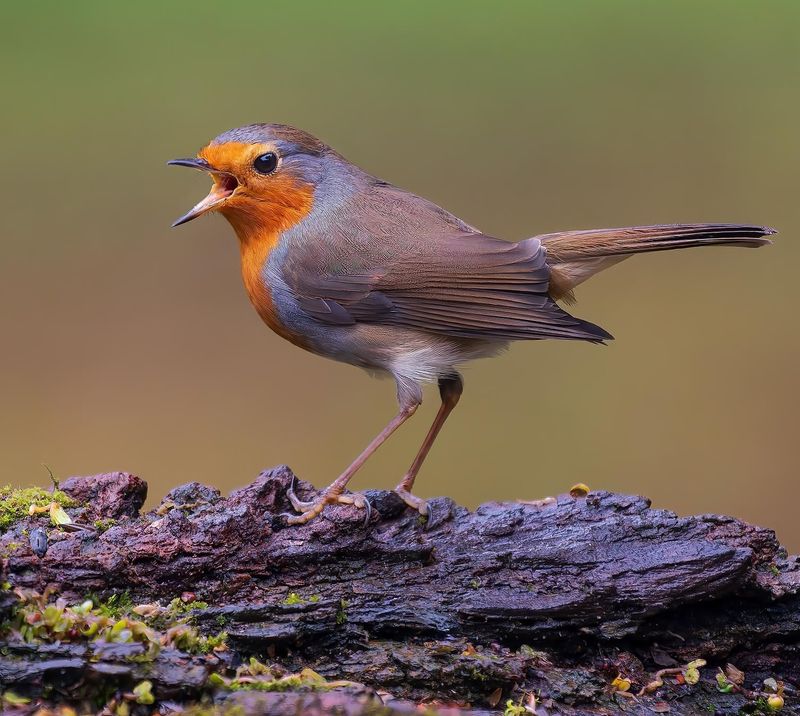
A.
x: 224, y: 186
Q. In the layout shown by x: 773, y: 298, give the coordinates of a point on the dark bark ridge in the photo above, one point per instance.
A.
x: 478, y: 608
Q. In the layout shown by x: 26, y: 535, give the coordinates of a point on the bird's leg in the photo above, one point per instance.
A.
x: 333, y: 493
x: 450, y: 388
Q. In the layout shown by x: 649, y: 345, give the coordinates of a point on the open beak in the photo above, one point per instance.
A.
x: 224, y: 186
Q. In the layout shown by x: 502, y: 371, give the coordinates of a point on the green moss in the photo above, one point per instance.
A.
x: 341, y: 613
x: 532, y: 653
x: 15, y: 502
x: 513, y: 709
x: 760, y: 706
x: 11, y: 699
x: 207, y: 644
x: 9, y: 549
x: 255, y: 676
x: 116, y: 606
x: 178, y: 607
x: 38, y: 621
x: 143, y: 691
x: 214, y: 710
x: 477, y: 675
x: 105, y: 524
x: 294, y: 598
x: 288, y: 683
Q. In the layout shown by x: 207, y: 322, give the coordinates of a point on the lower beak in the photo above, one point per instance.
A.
x: 224, y: 186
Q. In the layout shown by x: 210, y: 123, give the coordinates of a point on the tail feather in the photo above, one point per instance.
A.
x: 574, y: 256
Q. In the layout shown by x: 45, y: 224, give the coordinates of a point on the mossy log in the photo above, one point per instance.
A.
x: 477, y: 609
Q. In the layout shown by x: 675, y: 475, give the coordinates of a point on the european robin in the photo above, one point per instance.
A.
x: 352, y: 268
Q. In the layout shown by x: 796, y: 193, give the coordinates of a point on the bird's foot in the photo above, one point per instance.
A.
x: 313, y: 508
x: 415, y: 503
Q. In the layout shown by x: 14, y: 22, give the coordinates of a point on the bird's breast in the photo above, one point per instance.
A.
x: 260, y: 223
x: 255, y: 255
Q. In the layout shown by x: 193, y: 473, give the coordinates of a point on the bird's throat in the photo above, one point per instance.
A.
x: 259, y: 230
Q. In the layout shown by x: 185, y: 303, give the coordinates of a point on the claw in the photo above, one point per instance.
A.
x: 417, y: 504
x: 359, y: 501
x: 280, y: 521
x: 290, y: 492
x: 368, y: 511
x: 297, y: 504
x: 428, y: 517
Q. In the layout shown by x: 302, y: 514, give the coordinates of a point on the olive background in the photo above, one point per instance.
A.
x: 127, y: 345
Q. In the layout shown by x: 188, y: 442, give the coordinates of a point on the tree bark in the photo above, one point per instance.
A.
x: 474, y: 609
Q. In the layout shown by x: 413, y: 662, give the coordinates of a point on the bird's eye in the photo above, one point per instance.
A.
x: 266, y: 163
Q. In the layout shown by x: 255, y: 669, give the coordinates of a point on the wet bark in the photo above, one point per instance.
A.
x: 473, y: 609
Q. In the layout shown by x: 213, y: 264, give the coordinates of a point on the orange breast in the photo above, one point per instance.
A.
x: 259, y: 226
x: 254, y: 255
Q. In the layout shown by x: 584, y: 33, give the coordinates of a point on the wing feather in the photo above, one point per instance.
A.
x: 438, y: 276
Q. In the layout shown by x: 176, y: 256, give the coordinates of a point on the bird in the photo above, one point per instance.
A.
x: 352, y: 268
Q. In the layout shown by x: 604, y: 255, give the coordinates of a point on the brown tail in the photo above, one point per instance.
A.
x: 574, y: 256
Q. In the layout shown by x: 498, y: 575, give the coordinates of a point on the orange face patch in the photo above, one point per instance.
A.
x: 261, y: 208
x: 262, y: 203
x: 230, y: 156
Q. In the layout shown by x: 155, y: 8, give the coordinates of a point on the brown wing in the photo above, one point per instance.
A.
x: 450, y: 283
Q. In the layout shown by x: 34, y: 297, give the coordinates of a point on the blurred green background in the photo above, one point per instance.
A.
x: 127, y: 345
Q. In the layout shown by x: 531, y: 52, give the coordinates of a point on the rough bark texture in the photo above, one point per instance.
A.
x: 478, y: 608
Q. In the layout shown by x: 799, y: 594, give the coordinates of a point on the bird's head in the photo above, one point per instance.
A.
x: 264, y: 176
